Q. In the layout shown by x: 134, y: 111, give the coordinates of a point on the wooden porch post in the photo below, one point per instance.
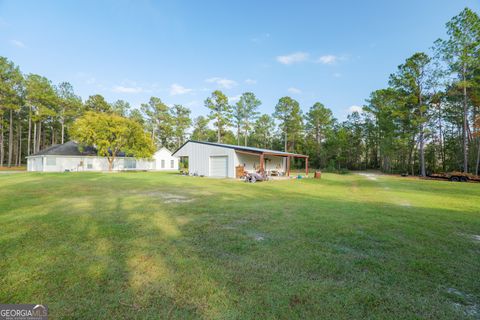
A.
x: 288, y: 166
x: 306, y: 166
x: 262, y: 163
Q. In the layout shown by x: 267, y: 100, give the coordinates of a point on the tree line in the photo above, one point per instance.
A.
x: 426, y: 120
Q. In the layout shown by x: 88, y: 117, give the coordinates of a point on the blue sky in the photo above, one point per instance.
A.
x: 335, y: 52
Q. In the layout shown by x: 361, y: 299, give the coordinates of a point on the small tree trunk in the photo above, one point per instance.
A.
x: 29, y: 135
x: 10, y: 139
x: 2, y: 155
x: 440, y: 137
x: 110, y: 162
x: 286, y: 145
x: 238, y: 135
x: 53, y: 134
x: 422, y: 152
x: 44, y: 138
x: 411, y: 154
x: 246, y: 136
x: 465, y: 116
x: 40, y: 145
x: 421, y: 138
x: 34, y: 137
x: 19, y: 134
x: 63, y: 130
x: 478, y: 157
x: 15, y: 148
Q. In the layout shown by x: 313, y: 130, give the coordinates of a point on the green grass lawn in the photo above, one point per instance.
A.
x: 159, y: 245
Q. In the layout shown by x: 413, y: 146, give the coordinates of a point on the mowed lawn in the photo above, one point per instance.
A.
x: 159, y: 245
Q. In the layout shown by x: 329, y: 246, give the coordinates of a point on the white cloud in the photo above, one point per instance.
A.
x: 294, y: 90
x: 327, y: 59
x: 122, y: 89
x: 260, y: 38
x: 251, y: 81
x: 293, y: 58
x: 355, y: 108
x: 222, y: 82
x: 234, y: 98
x: 18, y: 44
x: 176, y: 89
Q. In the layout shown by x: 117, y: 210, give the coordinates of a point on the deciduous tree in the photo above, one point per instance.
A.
x: 111, y: 134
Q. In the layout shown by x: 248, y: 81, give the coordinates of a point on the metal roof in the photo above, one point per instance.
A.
x: 243, y: 148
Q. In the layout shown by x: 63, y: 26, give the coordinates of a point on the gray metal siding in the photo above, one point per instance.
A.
x: 199, y: 157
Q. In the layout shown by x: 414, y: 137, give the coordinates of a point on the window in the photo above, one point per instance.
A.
x: 89, y: 164
x: 130, y: 164
x: 172, y: 164
x: 163, y: 164
x: 51, y: 161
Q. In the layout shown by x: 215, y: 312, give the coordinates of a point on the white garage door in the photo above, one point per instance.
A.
x: 219, y: 166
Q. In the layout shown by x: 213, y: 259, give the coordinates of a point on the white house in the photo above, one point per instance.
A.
x: 224, y: 160
x: 164, y: 160
x: 69, y: 157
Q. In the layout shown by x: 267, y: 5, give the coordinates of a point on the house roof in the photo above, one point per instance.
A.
x: 243, y: 148
x: 69, y: 148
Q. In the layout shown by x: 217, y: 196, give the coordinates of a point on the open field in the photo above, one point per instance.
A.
x: 158, y: 245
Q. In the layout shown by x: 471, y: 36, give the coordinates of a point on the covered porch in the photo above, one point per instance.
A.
x: 271, y: 162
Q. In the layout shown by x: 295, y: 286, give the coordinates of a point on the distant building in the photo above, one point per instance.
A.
x: 69, y: 157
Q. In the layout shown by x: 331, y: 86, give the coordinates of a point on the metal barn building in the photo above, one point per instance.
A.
x: 224, y: 160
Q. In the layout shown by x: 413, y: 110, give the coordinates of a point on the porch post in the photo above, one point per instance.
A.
x: 288, y: 166
x: 306, y: 166
x: 262, y: 162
